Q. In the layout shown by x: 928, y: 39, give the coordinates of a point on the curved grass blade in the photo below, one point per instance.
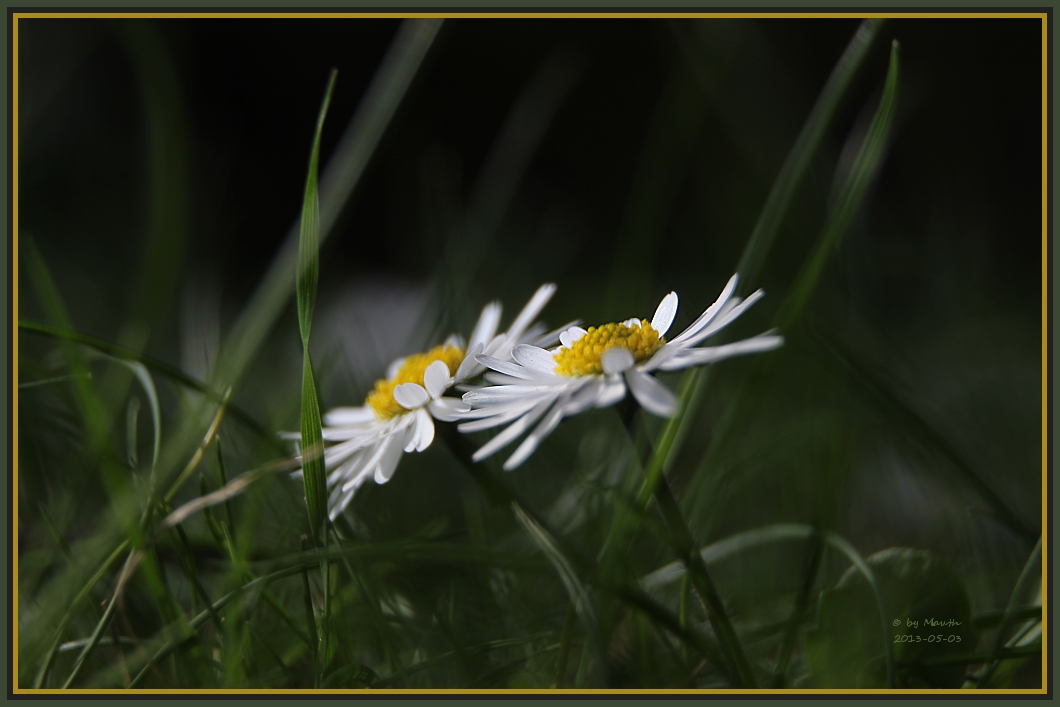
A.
x: 579, y: 595
x: 774, y: 533
x: 313, y: 474
x: 851, y: 193
x: 798, y: 159
x: 758, y: 245
x: 858, y: 561
x: 1030, y: 574
x: 123, y: 353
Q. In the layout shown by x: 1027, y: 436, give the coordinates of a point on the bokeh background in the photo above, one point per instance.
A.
x: 161, y: 167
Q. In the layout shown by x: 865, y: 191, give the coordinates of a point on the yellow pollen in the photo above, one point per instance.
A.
x: 412, y: 369
x: 583, y: 358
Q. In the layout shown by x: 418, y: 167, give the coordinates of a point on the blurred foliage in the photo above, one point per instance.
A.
x: 885, y: 464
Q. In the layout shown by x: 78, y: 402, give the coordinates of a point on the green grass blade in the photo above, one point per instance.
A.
x: 798, y: 159
x: 309, y: 230
x: 1032, y: 572
x: 314, y: 476
x: 851, y: 194
x: 758, y: 245
x: 126, y: 354
x: 92, y: 409
x: 579, y: 595
x: 858, y: 561
x: 159, y: 85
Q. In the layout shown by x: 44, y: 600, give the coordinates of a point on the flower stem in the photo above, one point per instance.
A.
x: 702, y: 583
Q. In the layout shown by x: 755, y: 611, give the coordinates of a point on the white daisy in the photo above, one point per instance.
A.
x: 594, y: 368
x: 398, y: 415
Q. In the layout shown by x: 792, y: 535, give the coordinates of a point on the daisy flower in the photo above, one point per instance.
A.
x: 398, y: 414
x: 594, y: 368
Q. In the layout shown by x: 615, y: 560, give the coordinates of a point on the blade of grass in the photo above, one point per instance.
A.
x: 1031, y: 573
x: 850, y: 196
x: 798, y: 610
x: 851, y: 193
x: 314, y: 475
x: 694, y: 383
x: 579, y: 595
x: 778, y: 532
x: 802, y: 151
x: 126, y: 354
x: 704, y: 585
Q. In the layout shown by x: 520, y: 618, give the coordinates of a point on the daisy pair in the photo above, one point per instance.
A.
x: 594, y: 368
x: 399, y: 413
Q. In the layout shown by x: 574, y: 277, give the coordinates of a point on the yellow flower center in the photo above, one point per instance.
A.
x: 584, y: 357
x: 381, y: 399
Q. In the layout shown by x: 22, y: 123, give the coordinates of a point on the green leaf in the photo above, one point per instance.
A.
x: 313, y: 472
x: 309, y: 233
x: 314, y: 475
x: 851, y: 193
x: 844, y: 649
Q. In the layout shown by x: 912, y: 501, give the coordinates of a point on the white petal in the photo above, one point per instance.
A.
x: 469, y: 366
x: 447, y: 409
x: 514, y: 369
x: 616, y: 360
x: 371, y: 463
x: 340, y: 417
x: 571, y: 335
x: 613, y: 390
x: 533, y: 357
x: 388, y: 463
x: 454, y: 340
x: 530, y: 311
x: 551, y: 338
x: 436, y: 379
x: 524, y: 450
x: 664, y: 314
x: 486, y: 326
x: 492, y: 393
x: 711, y: 311
x: 495, y: 345
x: 727, y: 316
x: 410, y: 395
x: 652, y: 395
x: 412, y: 434
x: 512, y: 431
x: 710, y: 354
x: 425, y: 430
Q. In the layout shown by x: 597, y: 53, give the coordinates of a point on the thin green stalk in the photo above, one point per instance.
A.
x: 703, y: 584
x: 798, y: 611
x: 171, y: 645
x: 564, y: 646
